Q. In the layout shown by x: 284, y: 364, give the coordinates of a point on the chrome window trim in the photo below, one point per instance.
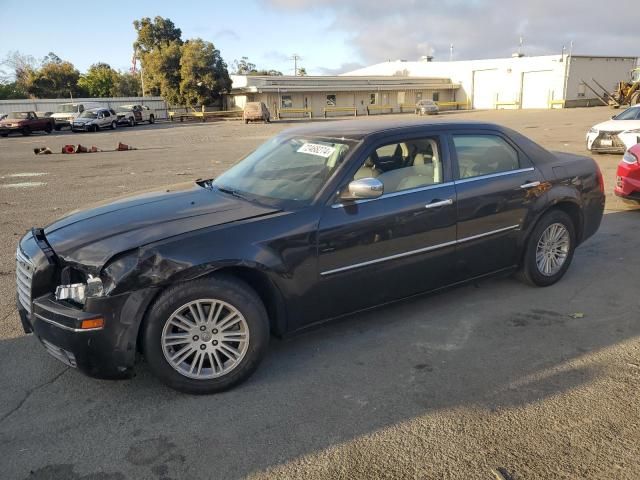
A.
x: 493, y: 175
x: 64, y: 327
x: 420, y: 250
x: 394, y: 194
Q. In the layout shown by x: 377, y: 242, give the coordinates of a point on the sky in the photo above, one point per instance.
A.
x: 331, y: 36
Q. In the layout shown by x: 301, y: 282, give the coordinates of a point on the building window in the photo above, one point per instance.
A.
x: 436, y: 96
x: 373, y: 98
x: 401, y: 98
x: 331, y: 100
x: 286, y: 101
x: 418, y: 96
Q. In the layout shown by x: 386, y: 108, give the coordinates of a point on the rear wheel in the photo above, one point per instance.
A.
x: 48, y: 128
x: 26, y: 131
x: 549, y: 250
x: 152, y: 119
x: 207, y: 335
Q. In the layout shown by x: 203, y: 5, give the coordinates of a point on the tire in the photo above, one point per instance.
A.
x: 4, y: 134
x: 95, y: 128
x: 48, y: 129
x: 152, y: 119
x: 26, y: 131
x: 58, y: 128
x: 131, y: 122
x: 114, y: 125
x: 635, y: 98
x: 231, y: 295
x: 532, y: 271
x: 246, y: 122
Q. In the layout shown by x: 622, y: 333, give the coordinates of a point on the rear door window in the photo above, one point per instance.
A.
x: 484, y: 154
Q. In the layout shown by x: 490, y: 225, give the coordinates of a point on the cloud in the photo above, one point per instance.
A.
x: 226, y: 33
x: 345, y: 67
x: 408, y: 29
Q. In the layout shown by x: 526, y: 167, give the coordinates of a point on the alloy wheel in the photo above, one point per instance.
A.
x: 205, y: 339
x: 552, y: 249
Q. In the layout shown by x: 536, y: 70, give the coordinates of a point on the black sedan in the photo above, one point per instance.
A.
x: 317, y: 223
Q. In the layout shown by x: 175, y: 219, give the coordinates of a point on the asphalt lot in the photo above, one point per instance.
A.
x: 491, y: 376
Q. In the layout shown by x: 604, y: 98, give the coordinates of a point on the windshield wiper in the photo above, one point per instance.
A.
x: 235, y: 193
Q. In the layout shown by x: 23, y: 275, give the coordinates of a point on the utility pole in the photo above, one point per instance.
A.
x: 451, y: 52
x: 295, y: 57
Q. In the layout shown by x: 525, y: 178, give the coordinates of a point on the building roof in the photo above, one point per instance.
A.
x: 340, y: 83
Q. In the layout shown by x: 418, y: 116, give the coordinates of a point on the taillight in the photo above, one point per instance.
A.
x: 600, y: 179
x: 630, y: 158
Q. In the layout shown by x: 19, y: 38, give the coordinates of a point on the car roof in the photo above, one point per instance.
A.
x: 358, y: 129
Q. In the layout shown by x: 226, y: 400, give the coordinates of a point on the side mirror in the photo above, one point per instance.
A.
x: 613, y: 117
x: 363, y: 188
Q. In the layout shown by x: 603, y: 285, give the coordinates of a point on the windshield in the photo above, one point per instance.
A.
x: 68, y: 108
x: 18, y: 115
x: 88, y: 114
x: 286, y: 168
x: 628, y: 114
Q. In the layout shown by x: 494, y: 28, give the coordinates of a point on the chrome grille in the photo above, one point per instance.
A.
x: 24, y: 275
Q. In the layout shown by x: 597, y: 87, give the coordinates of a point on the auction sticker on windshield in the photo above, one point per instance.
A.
x: 324, y: 151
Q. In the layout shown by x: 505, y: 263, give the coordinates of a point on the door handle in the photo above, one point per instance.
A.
x: 441, y: 203
x: 530, y: 185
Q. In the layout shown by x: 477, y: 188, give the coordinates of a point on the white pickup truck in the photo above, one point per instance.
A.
x: 134, y: 114
x: 68, y: 112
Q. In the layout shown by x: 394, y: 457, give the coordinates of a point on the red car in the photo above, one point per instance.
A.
x: 628, y: 175
x: 25, y: 123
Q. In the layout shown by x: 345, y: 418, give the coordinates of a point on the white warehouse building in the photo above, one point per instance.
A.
x: 550, y: 81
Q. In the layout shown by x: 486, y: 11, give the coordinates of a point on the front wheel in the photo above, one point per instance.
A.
x: 152, y: 119
x: 131, y: 122
x: 114, y: 125
x: 549, y: 250
x: 207, y: 335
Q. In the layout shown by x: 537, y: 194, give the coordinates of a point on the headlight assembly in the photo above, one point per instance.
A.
x: 593, y: 130
x: 79, y: 292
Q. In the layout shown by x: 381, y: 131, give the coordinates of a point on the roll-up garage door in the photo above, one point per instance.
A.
x: 535, y: 89
x: 484, y: 88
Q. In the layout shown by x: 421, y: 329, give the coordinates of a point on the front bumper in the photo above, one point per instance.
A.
x: 628, y: 182
x: 620, y: 141
x: 107, y: 352
x: 82, y: 127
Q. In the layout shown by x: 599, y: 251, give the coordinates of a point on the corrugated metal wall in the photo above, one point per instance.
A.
x: 51, y: 105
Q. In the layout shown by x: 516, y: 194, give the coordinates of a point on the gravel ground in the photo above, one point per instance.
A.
x: 488, y: 380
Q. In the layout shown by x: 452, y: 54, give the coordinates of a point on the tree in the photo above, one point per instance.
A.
x: 99, y: 81
x: 152, y: 35
x: 243, y: 67
x: 11, y: 91
x: 17, y: 67
x: 270, y: 73
x: 128, y: 85
x: 161, y: 70
x: 204, y: 75
x: 53, y: 80
x: 302, y: 72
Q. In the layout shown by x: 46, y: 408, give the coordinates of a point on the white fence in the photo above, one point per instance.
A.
x: 51, y: 104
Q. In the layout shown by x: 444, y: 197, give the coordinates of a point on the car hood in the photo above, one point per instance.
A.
x: 91, y: 237
x: 83, y: 120
x: 618, y: 125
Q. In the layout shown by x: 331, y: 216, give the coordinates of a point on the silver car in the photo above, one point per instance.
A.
x: 95, y: 119
x: 427, y: 107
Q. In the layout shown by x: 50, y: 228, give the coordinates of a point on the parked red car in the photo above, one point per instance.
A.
x: 628, y: 175
x: 25, y: 123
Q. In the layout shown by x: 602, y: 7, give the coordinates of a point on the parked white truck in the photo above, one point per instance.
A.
x: 68, y: 112
x: 134, y: 114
